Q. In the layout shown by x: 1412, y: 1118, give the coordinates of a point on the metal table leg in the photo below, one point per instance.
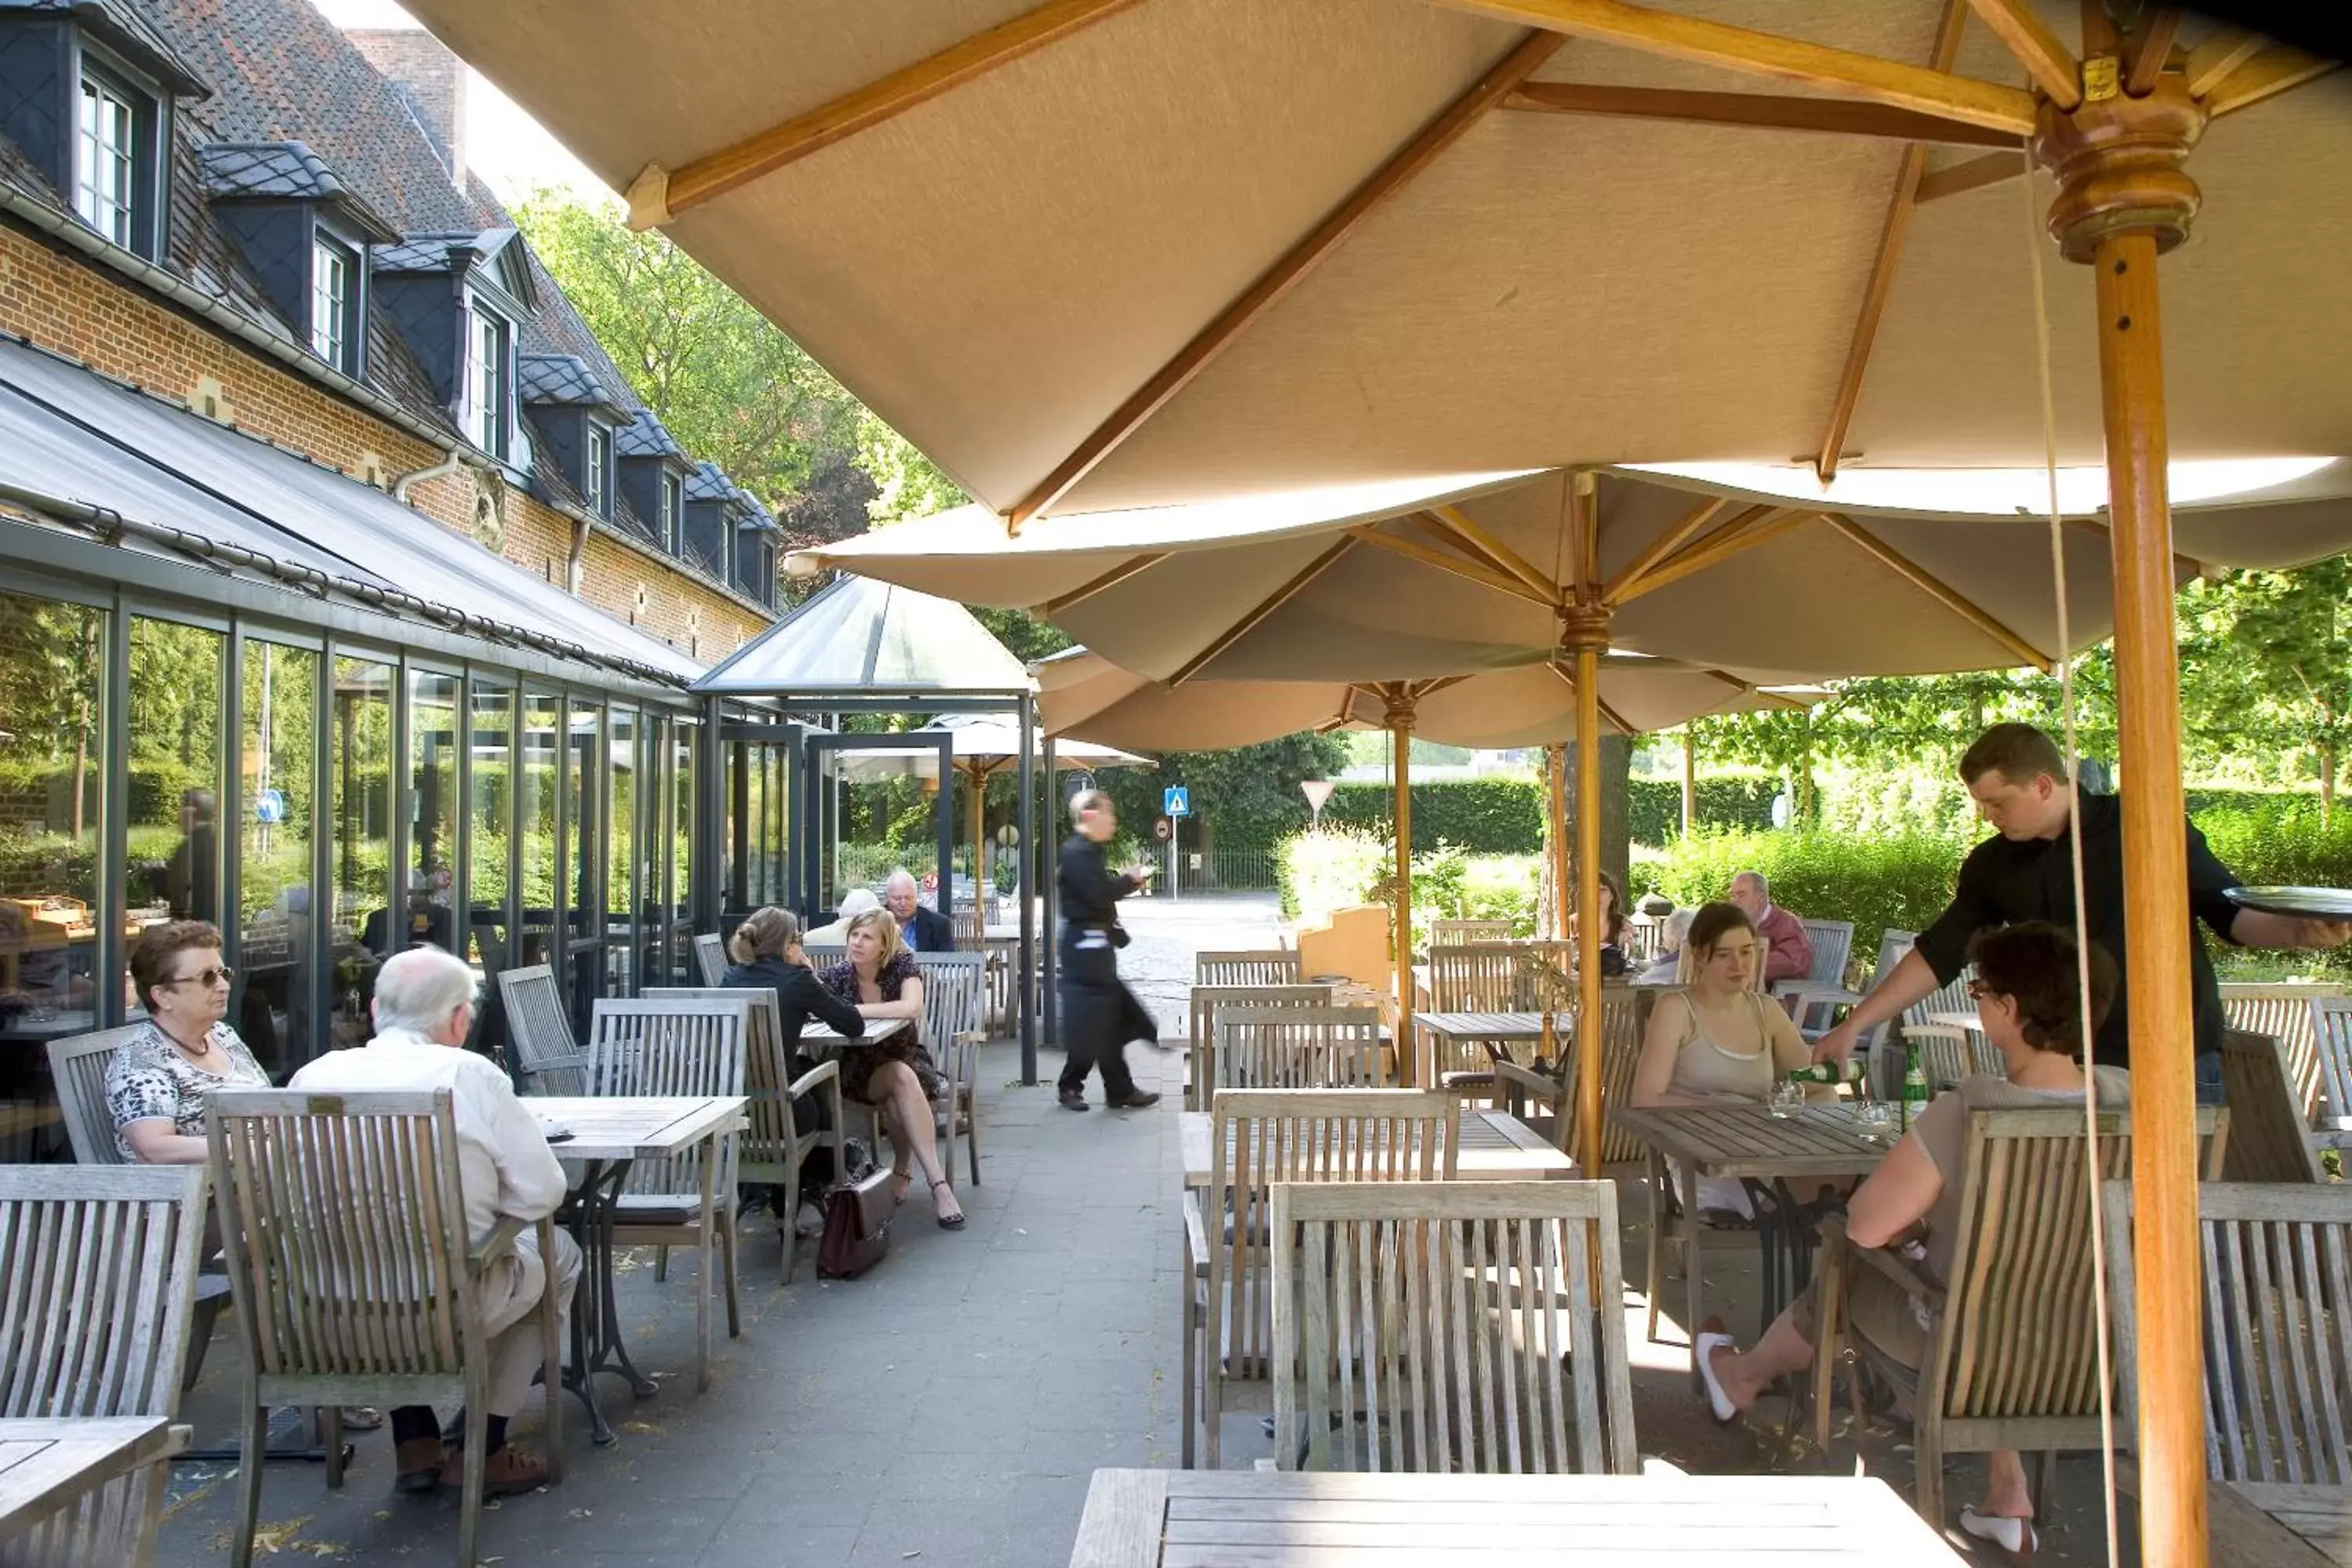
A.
x: 596, y: 1344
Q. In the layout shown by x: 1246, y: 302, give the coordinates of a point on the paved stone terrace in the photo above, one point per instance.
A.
x: 950, y: 1408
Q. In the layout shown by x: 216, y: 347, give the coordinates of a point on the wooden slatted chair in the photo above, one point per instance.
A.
x: 710, y: 958
x: 772, y: 1152
x: 2269, y: 1139
x: 1453, y: 934
x: 78, y: 1067
x: 1814, y: 1005
x: 1260, y: 966
x: 2278, y: 1338
x: 1298, y: 1047
x: 1549, y: 1096
x: 1947, y: 1055
x: 98, y: 1276
x: 1832, y: 944
x: 359, y: 1303
x: 2331, y: 1030
x: 547, y: 1059
x: 968, y: 930
x: 2281, y: 1010
x: 2011, y: 1359
x: 682, y: 1048
x: 1454, y: 1320
x: 1258, y: 1138
x: 955, y: 1014
x: 1207, y: 1001
x: 1475, y: 977
x: 1886, y: 1080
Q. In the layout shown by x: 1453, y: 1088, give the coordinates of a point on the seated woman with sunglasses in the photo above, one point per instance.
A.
x: 156, y: 1084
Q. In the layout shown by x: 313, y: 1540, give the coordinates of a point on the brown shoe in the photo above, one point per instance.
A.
x: 504, y: 1473
x: 417, y: 1465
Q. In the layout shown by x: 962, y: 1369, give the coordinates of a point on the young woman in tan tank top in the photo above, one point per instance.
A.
x: 1719, y: 1038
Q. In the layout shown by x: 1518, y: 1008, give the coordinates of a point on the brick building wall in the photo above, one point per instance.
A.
x: 62, y: 303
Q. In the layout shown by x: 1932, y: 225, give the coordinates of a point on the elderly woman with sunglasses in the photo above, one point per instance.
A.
x: 157, y: 1081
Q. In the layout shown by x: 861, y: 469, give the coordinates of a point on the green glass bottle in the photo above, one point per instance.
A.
x: 1914, y: 1088
x: 1847, y: 1071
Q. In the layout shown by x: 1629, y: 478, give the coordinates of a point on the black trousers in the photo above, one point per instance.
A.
x: 1099, y: 1015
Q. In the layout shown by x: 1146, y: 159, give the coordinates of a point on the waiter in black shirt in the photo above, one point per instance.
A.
x: 2018, y: 779
x: 1100, y: 1014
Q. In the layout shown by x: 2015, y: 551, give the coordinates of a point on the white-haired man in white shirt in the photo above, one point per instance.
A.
x: 423, y: 1009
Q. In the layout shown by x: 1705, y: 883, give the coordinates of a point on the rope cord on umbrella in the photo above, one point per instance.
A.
x: 2033, y: 241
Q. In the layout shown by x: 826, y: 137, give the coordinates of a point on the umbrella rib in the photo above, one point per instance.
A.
x: 1757, y: 525
x: 1842, y: 71
x: 1891, y: 234
x: 1264, y: 607
x: 658, y: 196
x: 2037, y: 49
x: 1616, y: 719
x: 1973, y: 175
x: 2224, y: 50
x: 1665, y: 544
x: 1458, y: 523
x: 1753, y: 111
x: 1413, y: 550
x: 2268, y: 74
x: 1108, y: 580
x: 1935, y: 588
x: 1431, y: 140
x: 2151, y: 48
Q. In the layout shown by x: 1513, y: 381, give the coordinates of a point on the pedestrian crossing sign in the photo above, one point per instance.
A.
x: 1177, y: 801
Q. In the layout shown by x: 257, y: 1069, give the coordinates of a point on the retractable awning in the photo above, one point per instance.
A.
x: 187, y: 484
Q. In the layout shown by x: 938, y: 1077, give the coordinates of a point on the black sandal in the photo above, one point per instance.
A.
x: 900, y: 1198
x: 949, y: 1221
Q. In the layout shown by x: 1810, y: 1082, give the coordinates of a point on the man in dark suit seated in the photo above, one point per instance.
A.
x: 924, y: 930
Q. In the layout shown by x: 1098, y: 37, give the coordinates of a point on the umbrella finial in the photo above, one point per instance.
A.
x: 2117, y: 159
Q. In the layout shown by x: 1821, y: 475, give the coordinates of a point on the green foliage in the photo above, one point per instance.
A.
x: 907, y: 483
x: 1488, y: 815
x: 1244, y: 801
x: 1340, y: 866
x: 1901, y: 879
x: 1655, y: 809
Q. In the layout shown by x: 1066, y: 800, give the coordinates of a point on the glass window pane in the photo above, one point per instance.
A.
x: 493, y: 825
x: 276, y: 754
x: 681, y: 838
x: 584, y: 831
x: 51, y: 658
x: 433, y: 830
x: 175, y: 768
x: 621, y: 854
x: 542, y: 714
x: 364, y: 930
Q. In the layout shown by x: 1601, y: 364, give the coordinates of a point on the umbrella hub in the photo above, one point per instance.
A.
x: 1584, y: 624
x: 2118, y: 162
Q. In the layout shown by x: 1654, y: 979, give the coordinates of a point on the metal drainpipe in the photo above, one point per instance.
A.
x: 449, y: 465
x: 576, y: 565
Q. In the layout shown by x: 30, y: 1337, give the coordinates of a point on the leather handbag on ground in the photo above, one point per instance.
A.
x: 857, y: 1226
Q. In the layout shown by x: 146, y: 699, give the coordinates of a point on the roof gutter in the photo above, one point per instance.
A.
x: 72, y: 234
x: 440, y: 471
x: 111, y: 527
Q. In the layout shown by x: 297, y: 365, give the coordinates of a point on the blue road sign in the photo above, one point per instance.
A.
x: 269, y: 805
x: 1177, y: 801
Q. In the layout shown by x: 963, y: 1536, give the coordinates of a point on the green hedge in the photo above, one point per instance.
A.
x: 1505, y: 816
x: 1655, y: 815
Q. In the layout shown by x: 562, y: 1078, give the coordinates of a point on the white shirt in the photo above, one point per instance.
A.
x: 505, y: 1167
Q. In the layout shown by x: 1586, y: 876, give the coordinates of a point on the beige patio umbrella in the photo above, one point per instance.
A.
x: 1101, y: 252
x: 983, y: 745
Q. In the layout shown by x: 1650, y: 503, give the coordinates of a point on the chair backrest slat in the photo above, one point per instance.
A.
x: 1260, y: 1137
x: 2282, y: 1009
x: 955, y: 1010
x: 2331, y: 1020
x: 1207, y: 1001
x: 1257, y: 966
x: 1624, y: 1017
x: 2278, y: 1312
x: 710, y: 958
x: 1833, y: 946
x: 674, y: 1046
x: 77, y: 1067
x: 2269, y: 1139
x: 1475, y: 977
x: 1454, y: 933
x: 766, y: 1073
x: 547, y: 1059
x: 1298, y: 1047
x: 1457, y: 1319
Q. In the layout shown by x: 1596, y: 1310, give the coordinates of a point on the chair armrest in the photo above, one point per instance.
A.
x: 1898, y: 1268
x: 1196, y: 1233
x: 1542, y: 1086
x: 178, y: 1439
x: 498, y: 1243
x: 828, y: 1070
x: 1806, y: 994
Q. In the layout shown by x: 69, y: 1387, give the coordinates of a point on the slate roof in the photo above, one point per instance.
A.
x: 708, y: 482
x: 284, y: 171
x: 124, y: 24
x: 646, y: 437
x: 563, y: 380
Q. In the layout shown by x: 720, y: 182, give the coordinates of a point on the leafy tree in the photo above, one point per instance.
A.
x: 907, y: 483
x: 2267, y: 663
x: 729, y: 384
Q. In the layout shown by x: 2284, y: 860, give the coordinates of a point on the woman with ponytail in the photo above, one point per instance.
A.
x: 766, y: 951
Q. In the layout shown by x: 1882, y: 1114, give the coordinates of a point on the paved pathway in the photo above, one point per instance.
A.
x: 950, y: 1408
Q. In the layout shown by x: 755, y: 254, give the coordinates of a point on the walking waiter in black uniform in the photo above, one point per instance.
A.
x: 1100, y: 1013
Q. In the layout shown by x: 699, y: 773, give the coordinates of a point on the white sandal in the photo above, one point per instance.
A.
x: 2016, y: 1538
x: 1704, y: 1347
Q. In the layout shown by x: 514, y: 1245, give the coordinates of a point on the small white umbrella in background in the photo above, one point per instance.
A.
x: 983, y: 745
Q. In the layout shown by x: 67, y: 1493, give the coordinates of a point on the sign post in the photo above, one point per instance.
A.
x: 1177, y: 803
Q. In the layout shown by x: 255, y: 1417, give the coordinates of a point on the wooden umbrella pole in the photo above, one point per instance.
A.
x: 1584, y: 632
x: 1400, y: 727
x: 976, y: 780
x: 1555, y: 789
x: 2122, y: 200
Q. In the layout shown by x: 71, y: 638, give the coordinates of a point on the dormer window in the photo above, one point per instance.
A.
x: 669, y: 504
x: 596, y: 471
x: 334, y: 303
x: 489, y: 385
x: 113, y: 163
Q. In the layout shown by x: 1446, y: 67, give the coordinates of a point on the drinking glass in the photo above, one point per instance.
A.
x: 1874, y: 1119
x: 1786, y: 1095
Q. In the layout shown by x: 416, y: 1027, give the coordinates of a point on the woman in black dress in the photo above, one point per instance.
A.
x: 881, y: 979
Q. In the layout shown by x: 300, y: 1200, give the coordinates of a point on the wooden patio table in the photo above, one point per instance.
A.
x: 46, y: 1463
x: 821, y: 1039
x: 609, y: 1133
x: 1819, y: 1141
x: 1496, y: 1031
x: 1303, y: 1519
x: 1494, y: 1147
